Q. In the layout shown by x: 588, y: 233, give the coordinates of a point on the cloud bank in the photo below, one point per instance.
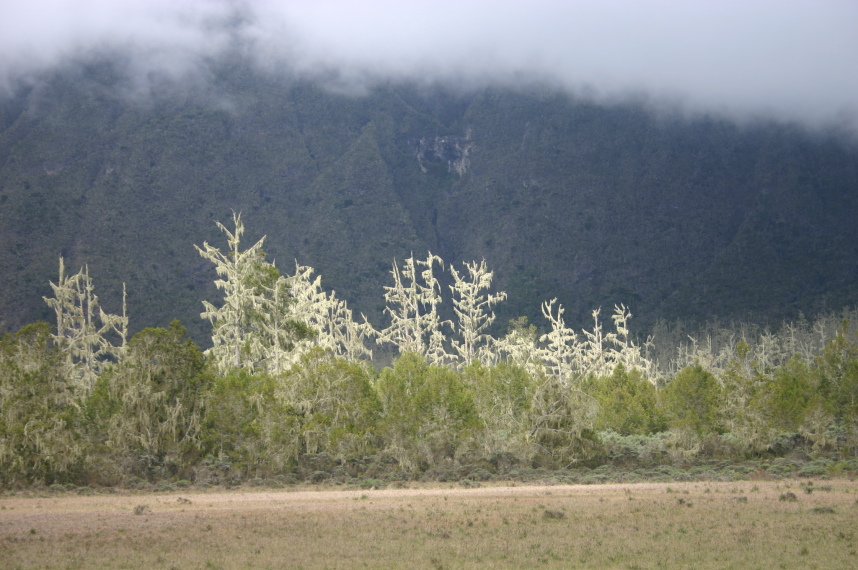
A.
x: 785, y: 59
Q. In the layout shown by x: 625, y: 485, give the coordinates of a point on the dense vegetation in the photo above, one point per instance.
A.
x: 289, y: 382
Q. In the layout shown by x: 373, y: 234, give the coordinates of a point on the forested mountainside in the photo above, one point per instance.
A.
x: 676, y: 217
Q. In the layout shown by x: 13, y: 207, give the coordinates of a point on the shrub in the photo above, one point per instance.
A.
x: 333, y: 406
x: 428, y: 411
x: 42, y: 430
x: 502, y: 396
x: 145, y: 412
x: 632, y: 449
x: 628, y: 403
x: 693, y: 400
x: 246, y: 429
x: 815, y: 468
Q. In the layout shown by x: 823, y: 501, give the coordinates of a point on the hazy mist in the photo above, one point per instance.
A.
x: 790, y: 60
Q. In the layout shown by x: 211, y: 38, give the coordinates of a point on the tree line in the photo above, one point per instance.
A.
x: 290, y: 374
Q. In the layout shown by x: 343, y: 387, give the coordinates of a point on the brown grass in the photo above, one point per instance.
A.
x: 677, y: 525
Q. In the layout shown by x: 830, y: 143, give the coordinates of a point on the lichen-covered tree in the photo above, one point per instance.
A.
x: 472, y: 306
x: 336, y: 330
x: 599, y: 353
x: 412, y: 304
x: 519, y: 346
x: 234, y: 322
x: 280, y: 326
x: 84, y: 328
x: 626, y: 351
x: 745, y: 395
x: 835, y: 381
x: 560, y: 351
x: 503, y: 395
x: 593, y: 352
x: 254, y: 327
x: 561, y: 421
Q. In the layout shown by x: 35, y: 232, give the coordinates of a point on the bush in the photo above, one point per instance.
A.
x: 781, y: 468
x: 145, y: 412
x: 633, y: 449
x: 333, y: 405
x: 428, y: 412
x: 42, y: 431
x: 628, y: 403
x: 815, y: 468
x: 246, y: 429
x: 693, y: 400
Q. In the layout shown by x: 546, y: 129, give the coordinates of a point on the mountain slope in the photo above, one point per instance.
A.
x: 595, y: 205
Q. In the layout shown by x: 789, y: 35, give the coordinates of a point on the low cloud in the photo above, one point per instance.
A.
x: 791, y: 60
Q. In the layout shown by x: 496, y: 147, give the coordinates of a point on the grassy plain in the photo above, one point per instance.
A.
x: 749, y: 524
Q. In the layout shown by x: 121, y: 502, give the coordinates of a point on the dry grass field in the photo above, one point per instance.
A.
x: 751, y: 524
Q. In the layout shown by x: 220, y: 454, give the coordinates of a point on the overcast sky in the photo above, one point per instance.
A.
x: 794, y: 60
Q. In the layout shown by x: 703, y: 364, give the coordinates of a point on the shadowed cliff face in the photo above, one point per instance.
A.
x: 592, y: 204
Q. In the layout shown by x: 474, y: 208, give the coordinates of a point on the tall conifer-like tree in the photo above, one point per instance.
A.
x: 255, y: 326
x: 413, y: 308
x: 561, y: 352
x: 281, y: 326
x: 233, y: 323
x: 337, y: 331
x: 83, y: 328
x: 519, y: 347
x: 473, y: 309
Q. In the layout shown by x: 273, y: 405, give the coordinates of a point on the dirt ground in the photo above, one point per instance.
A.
x: 65, y: 513
x: 788, y: 524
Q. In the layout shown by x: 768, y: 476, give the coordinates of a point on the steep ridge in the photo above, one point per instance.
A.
x: 676, y: 217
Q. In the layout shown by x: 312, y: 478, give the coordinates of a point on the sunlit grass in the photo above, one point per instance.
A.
x: 681, y: 525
